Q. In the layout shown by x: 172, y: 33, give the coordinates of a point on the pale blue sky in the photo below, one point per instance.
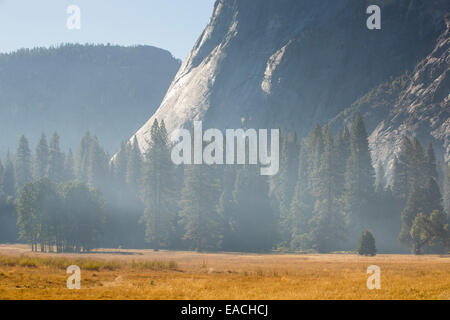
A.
x: 169, y: 24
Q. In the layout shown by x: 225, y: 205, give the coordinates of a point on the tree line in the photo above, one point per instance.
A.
x: 326, y: 193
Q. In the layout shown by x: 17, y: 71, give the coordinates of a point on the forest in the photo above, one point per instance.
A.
x: 326, y: 193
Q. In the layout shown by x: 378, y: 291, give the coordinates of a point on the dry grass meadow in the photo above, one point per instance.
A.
x: 144, y: 274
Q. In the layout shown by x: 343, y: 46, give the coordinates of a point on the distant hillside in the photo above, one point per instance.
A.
x: 109, y: 90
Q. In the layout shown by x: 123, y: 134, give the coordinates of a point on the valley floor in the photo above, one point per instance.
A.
x: 145, y: 274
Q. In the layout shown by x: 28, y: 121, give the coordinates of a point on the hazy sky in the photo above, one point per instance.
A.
x: 169, y: 24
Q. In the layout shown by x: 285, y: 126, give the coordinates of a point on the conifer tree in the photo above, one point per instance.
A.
x: 134, y: 165
x: 285, y: 181
x: 414, y: 205
x: 327, y: 225
x: 69, y: 169
x: 40, y: 163
x: 402, y: 175
x: 81, y: 162
x: 23, y: 171
x: 9, y: 181
x: 158, y: 188
x: 56, y: 160
x: 431, y: 164
x: 447, y: 191
x: 366, y: 244
x: 97, y: 166
x: 199, y: 216
x: 301, y: 206
x: 359, y: 176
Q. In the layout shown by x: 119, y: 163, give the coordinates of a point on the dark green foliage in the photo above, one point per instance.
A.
x: 427, y: 230
x: 366, y: 244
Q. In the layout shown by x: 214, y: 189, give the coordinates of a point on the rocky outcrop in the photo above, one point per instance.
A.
x: 294, y: 63
x: 415, y: 104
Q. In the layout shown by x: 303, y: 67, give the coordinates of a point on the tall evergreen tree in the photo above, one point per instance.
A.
x: 431, y: 164
x: 327, y: 225
x: 69, y: 169
x: 158, y: 188
x: 55, y: 160
x: 301, y: 206
x: 9, y: 181
x: 199, y: 217
x: 23, y: 171
x: 134, y: 165
x: 283, y: 184
x: 40, y: 163
x: 359, y: 177
x: 447, y: 191
x: 81, y: 163
x: 98, y: 166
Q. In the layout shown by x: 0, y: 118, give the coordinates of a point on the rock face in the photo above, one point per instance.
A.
x: 294, y: 63
x: 109, y: 90
x: 414, y: 104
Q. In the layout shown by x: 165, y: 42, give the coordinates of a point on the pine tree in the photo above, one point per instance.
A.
x: 431, y: 164
x: 56, y: 160
x: 327, y: 225
x: 359, y: 177
x: 158, y: 188
x: 414, y: 205
x: 301, y: 206
x: 81, y: 162
x: 9, y: 181
x: 343, y: 152
x: 134, y: 165
x: 226, y: 208
x: 199, y: 199
x: 447, y: 191
x: 283, y: 184
x: 40, y: 163
x: 69, y: 169
x: 403, y: 176
x: 366, y: 244
x: 23, y: 172
x: 419, y: 166
x: 97, y: 166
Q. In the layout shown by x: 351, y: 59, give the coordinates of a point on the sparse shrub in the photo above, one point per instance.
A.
x: 366, y: 244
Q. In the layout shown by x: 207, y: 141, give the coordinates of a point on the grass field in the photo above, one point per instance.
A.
x: 144, y: 274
